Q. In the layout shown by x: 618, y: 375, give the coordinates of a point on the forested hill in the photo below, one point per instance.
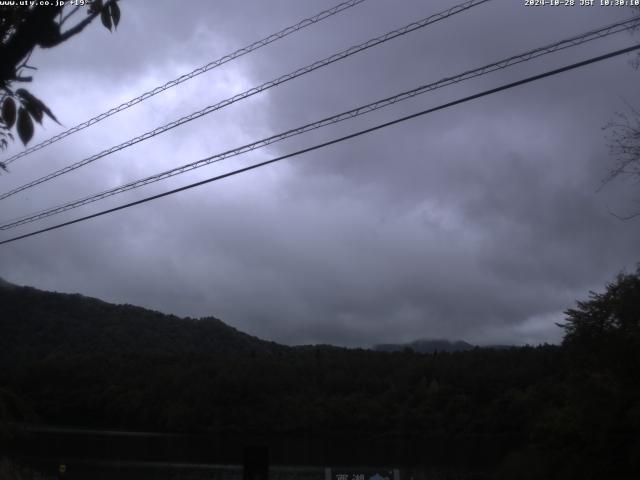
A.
x: 559, y: 412
x: 37, y: 325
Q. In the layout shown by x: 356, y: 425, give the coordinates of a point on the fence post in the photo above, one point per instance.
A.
x: 255, y: 463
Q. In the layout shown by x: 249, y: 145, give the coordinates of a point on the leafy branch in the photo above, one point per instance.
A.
x: 21, y: 31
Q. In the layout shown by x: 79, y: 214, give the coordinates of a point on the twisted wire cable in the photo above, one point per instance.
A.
x: 362, y: 110
x: 253, y: 91
x: 188, y: 76
x: 330, y: 142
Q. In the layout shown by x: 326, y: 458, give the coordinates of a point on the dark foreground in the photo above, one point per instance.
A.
x: 99, y: 454
x: 552, y: 412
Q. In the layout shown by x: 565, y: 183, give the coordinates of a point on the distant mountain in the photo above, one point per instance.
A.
x: 36, y: 324
x: 80, y: 362
x: 426, y: 346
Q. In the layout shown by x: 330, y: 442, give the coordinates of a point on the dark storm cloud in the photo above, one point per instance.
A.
x: 478, y: 222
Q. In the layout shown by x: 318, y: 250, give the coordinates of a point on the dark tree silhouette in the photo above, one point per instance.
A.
x: 610, y: 318
x: 557, y: 412
x: 604, y: 331
x: 624, y: 144
x: 23, y: 28
x: 624, y: 140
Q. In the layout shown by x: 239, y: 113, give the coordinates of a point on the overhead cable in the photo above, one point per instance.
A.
x: 253, y: 91
x: 362, y: 110
x: 331, y: 142
x: 188, y: 76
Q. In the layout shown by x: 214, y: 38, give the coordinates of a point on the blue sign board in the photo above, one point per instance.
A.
x: 366, y: 473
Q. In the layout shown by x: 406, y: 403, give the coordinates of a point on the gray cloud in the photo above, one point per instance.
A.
x: 479, y: 222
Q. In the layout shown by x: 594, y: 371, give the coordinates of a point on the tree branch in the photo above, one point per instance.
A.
x: 81, y: 25
x: 66, y: 17
x: 39, y: 28
x: 623, y: 218
x: 38, y: 25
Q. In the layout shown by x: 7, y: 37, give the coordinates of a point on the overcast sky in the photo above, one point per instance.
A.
x: 479, y: 222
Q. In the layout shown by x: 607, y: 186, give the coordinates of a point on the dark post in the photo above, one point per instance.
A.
x: 255, y: 463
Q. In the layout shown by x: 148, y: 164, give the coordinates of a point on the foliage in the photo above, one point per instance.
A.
x: 569, y: 411
x: 605, y: 330
x: 10, y: 471
x: 23, y: 28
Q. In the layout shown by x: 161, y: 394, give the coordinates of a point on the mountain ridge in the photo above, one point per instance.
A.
x: 36, y: 324
x: 426, y: 345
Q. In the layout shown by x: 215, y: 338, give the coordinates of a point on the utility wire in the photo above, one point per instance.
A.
x: 188, y: 76
x: 362, y: 110
x: 265, y: 86
x: 334, y: 141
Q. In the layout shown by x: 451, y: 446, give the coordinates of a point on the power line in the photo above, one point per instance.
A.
x: 188, y: 76
x: 362, y: 110
x: 331, y: 142
x: 265, y: 86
